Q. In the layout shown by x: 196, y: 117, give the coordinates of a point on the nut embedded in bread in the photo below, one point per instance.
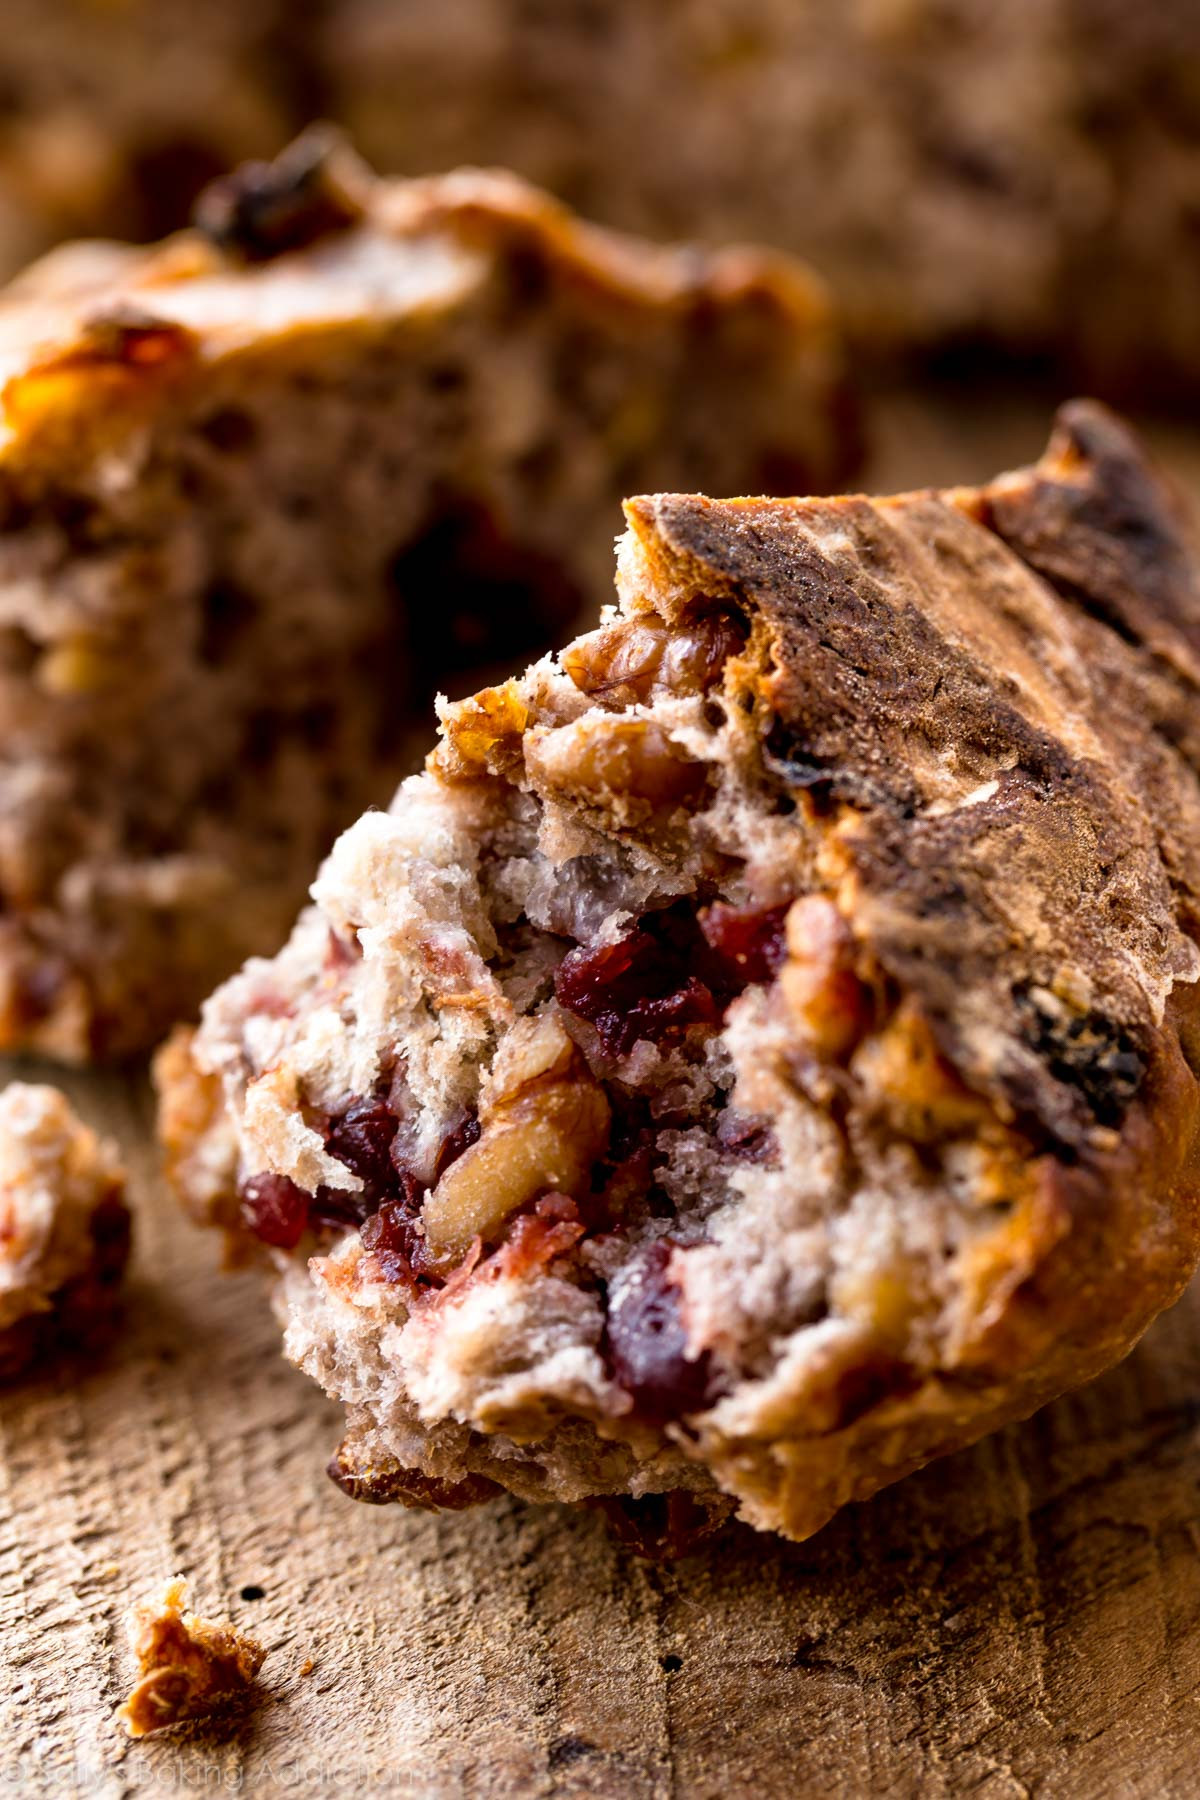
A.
x: 757, y: 1055
x: 262, y: 486
x: 64, y: 1229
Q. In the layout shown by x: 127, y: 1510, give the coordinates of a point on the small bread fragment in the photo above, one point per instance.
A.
x: 64, y: 1229
x: 769, y: 1132
x: 188, y: 1667
x: 264, y: 486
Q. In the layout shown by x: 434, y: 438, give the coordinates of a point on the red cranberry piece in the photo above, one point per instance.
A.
x: 647, y: 1342
x: 392, y: 1238
x: 691, y: 1004
x: 395, y: 1239
x: 636, y: 988
x: 361, y: 1138
x: 275, y: 1209
x: 549, y: 1229
x: 748, y: 940
x: 337, y: 1208
x: 465, y: 1133
x: 607, y: 978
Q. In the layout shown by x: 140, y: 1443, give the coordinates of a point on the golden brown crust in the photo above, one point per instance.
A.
x: 1043, y: 926
x: 899, y: 638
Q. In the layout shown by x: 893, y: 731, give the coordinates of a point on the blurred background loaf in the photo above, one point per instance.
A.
x: 1020, y: 177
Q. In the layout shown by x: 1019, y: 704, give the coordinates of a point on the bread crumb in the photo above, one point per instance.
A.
x: 188, y: 1667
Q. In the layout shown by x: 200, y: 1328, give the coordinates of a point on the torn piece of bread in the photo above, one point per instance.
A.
x: 64, y: 1229
x: 188, y: 1668
x: 263, y: 487
x: 758, y: 1054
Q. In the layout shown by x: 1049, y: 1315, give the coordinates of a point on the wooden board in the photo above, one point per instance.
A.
x: 1021, y: 1620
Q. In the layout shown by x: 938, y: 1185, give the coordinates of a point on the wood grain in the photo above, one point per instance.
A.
x: 1021, y: 1620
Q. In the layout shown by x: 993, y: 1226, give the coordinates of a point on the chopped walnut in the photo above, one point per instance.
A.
x: 828, y: 1001
x: 187, y: 1666
x: 629, y: 766
x: 544, y: 1122
x: 640, y: 659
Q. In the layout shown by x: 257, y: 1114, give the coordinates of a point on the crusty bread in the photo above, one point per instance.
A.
x: 261, y: 487
x: 64, y: 1229
x: 757, y: 1055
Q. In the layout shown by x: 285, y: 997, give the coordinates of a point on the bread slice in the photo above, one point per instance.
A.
x: 64, y: 1230
x: 758, y: 1054
x: 263, y: 486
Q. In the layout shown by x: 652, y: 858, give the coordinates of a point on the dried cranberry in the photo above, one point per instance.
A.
x: 647, y: 1343
x: 361, y: 1138
x: 465, y: 1133
x: 639, y: 987
x: 275, y: 1209
x: 338, y: 1208
x: 749, y: 940
x: 394, y: 1237
x: 549, y: 1228
x: 593, y: 982
x: 691, y: 1004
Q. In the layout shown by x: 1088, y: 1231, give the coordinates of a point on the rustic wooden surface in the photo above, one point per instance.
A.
x: 1023, y: 1619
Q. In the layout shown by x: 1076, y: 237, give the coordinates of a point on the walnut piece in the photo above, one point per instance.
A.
x: 187, y: 1666
x: 545, y: 1121
x: 641, y: 659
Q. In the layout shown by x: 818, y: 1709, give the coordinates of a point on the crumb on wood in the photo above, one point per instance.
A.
x: 187, y: 1666
x: 307, y: 1666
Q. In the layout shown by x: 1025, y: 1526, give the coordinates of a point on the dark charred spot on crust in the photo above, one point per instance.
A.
x: 264, y: 209
x: 663, y: 1527
x: 787, y: 757
x: 1088, y: 1052
x: 382, y: 1481
x: 227, y: 610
